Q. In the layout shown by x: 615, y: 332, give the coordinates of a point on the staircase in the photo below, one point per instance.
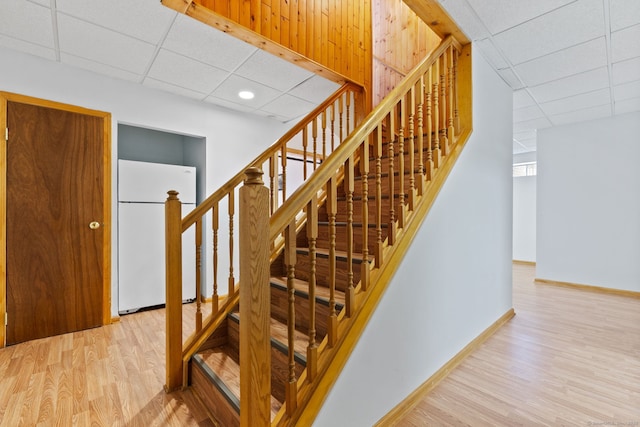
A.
x: 332, y: 245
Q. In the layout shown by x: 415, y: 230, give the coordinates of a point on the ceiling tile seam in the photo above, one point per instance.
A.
x: 54, y: 25
x: 519, y: 143
x: 577, y: 110
x: 534, y: 18
x: 158, y: 46
x: 607, y: 36
x: 96, y: 62
x: 557, y: 51
x: 507, y: 61
x: 570, y: 96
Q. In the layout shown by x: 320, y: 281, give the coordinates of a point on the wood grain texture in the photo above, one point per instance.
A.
x: 569, y: 357
x: 255, y: 345
x: 315, y: 46
x: 106, y: 376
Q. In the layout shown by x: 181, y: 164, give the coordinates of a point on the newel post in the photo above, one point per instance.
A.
x: 173, y: 311
x: 255, y: 345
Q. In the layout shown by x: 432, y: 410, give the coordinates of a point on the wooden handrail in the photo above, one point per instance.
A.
x: 237, y: 179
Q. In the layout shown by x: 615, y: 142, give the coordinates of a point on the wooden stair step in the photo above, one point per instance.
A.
x: 223, y: 371
x: 323, y: 253
x: 302, y: 290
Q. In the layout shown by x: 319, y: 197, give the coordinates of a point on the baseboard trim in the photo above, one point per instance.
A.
x: 397, y: 413
x: 518, y: 261
x: 115, y: 319
x: 590, y: 288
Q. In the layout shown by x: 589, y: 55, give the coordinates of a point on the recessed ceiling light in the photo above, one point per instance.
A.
x: 245, y: 94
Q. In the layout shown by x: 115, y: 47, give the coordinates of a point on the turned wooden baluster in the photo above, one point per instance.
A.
x: 173, y: 307
x: 232, y: 210
x: 305, y: 143
x: 420, y: 115
x: 340, y: 118
x: 392, y: 210
x: 314, y: 136
x: 377, y: 152
x: 444, y: 142
x: 350, y: 299
x: 198, y: 275
x: 364, y: 174
x: 273, y: 183
x: 333, y: 127
x: 324, y: 135
x: 312, y: 236
x: 403, y: 120
x: 290, y: 263
x: 348, y: 112
x: 429, y: 164
x: 455, y: 92
x: 332, y: 210
x: 412, y: 136
x: 255, y: 343
x: 215, y: 303
x: 450, y: 80
x: 283, y: 160
x: 436, y: 115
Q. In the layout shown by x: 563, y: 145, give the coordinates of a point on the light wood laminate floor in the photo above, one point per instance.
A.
x: 567, y: 358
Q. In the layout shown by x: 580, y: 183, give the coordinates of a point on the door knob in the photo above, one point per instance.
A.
x: 94, y: 225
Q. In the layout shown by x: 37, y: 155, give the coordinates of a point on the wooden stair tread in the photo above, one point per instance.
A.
x: 227, y: 369
x: 322, y: 292
x: 280, y: 335
x: 341, y: 255
x: 355, y: 224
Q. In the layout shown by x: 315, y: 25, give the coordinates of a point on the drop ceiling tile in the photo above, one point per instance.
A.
x: 146, y: 20
x: 315, y: 90
x: 26, y: 21
x: 624, y: 13
x: 196, y: 40
x: 626, y: 91
x: 521, y: 99
x: 499, y: 15
x: 272, y: 71
x: 625, y: 44
x: 85, y: 40
x: 26, y: 47
x: 585, y: 100
x: 540, y: 123
x: 527, y: 113
x: 511, y: 78
x: 525, y: 135
x: 491, y: 53
x: 580, y: 58
x: 583, y: 115
x: 567, y: 26
x: 229, y: 89
x: 96, y: 67
x: 627, y: 106
x: 272, y: 116
x: 288, y: 106
x: 466, y: 19
x: 626, y: 71
x: 46, y: 3
x: 230, y: 105
x: 185, y: 72
x: 572, y: 85
x: 177, y: 90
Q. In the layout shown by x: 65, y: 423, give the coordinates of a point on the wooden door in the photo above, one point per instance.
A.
x: 57, y: 212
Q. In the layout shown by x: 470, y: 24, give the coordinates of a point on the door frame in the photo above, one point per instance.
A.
x: 5, y: 98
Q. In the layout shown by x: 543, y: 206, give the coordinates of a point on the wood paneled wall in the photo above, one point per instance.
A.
x: 332, y: 33
x: 400, y: 40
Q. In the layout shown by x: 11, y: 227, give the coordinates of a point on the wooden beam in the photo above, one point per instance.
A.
x: 437, y: 19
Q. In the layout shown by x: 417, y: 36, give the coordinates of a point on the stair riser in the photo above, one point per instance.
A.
x: 341, y: 215
x: 215, y: 402
x: 280, y: 307
x: 341, y: 238
x: 322, y: 271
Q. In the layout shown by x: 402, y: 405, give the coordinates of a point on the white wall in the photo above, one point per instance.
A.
x: 588, y: 221
x: 524, y: 218
x: 455, y: 280
x: 233, y: 139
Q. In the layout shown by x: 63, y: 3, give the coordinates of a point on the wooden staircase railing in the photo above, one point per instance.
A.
x: 343, y: 231
x: 310, y: 141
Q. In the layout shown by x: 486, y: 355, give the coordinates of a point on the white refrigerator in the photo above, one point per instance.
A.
x: 142, y: 192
